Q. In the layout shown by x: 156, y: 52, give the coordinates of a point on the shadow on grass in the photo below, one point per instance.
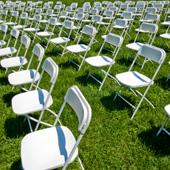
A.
x: 118, y: 104
x: 16, y: 127
x: 69, y: 64
x: 159, y: 144
x: 85, y: 79
x: 127, y: 61
x: 163, y: 82
x: 16, y: 165
x: 54, y: 52
x: 4, y: 81
x: 8, y: 97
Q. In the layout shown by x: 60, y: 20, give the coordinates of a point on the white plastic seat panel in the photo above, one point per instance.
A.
x: 99, y: 61
x: 23, y: 77
x: 60, y: 40
x: 13, y: 62
x: 43, y: 21
x: 31, y: 29
x: 44, y: 34
x: 134, y: 46
x: 139, y: 30
x: 166, y: 35
x: 11, y: 23
x: 30, y: 101
x: 147, y: 20
x: 167, y: 109
x: 18, y: 26
x: 47, y: 148
x: 119, y: 27
x: 166, y: 23
x: 78, y: 48
x: 2, y: 42
x: 133, y: 79
x: 7, y: 51
x: 102, y: 23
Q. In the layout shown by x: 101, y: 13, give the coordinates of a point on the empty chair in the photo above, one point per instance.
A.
x: 18, y: 61
x: 23, y: 18
x: 164, y: 124
x: 79, y: 48
x: 29, y: 75
x: 135, y: 80
x: 101, y: 61
x: 38, y: 99
x: 10, y: 50
x: 13, y: 18
x: 153, y: 18
x: 56, y: 147
x: 145, y: 28
x: 62, y: 41
x: 166, y: 35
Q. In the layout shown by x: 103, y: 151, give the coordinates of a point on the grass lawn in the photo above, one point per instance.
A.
x: 113, y: 141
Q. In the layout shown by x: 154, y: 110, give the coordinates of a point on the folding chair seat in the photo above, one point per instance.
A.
x: 145, y: 28
x: 37, y: 148
x: 7, y: 51
x: 23, y: 17
x: 29, y: 75
x: 17, y: 61
x: 134, y: 80
x: 88, y: 31
x: 38, y: 99
x: 14, y: 14
x: 101, y: 61
x: 165, y: 123
x: 4, y: 29
x: 60, y: 40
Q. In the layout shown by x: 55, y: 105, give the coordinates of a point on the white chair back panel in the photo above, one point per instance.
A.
x: 79, y: 104
x: 4, y: 27
x: 38, y: 50
x: 25, y: 40
x: 152, y: 28
x: 15, y: 33
x: 152, y: 53
x: 114, y: 39
x: 50, y: 67
x: 68, y: 24
x: 52, y: 21
x: 89, y: 30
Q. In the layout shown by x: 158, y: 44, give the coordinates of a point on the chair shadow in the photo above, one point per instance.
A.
x: 8, y: 97
x: 54, y: 51
x: 4, y: 81
x: 16, y: 165
x: 68, y: 64
x: 15, y: 127
x: 163, y: 82
x: 126, y: 61
x: 159, y: 144
x: 85, y: 79
x: 109, y: 103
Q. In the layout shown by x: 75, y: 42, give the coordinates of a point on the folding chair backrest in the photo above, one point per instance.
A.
x: 37, y: 17
x: 120, y: 22
x: 25, y: 40
x: 4, y: 28
x: 15, y: 33
x: 51, y: 68
x: 108, y: 13
x: 68, y: 24
x: 114, y: 39
x: 15, y: 13
x: 154, y: 17
x: 38, y: 51
x: 52, y: 21
x: 127, y: 15
x: 89, y: 30
x: 151, y: 28
x: 79, y: 104
x: 96, y: 18
x: 152, y: 53
x: 24, y: 15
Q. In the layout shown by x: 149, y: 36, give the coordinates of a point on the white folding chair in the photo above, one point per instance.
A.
x: 145, y: 28
x: 61, y: 40
x: 79, y: 48
x: 17, y: 61
x: 134, y: 79
x: 166, y: 35
x: 29, y: 75
x: 101, y: 61
x: 151, y: 18
x: 38, y: 99
x: 165, y: 123
x: 9, y: 51
x: 56, y: 147
x: 23, y: 18
x: 4, y: 29
x: 13, y: 18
